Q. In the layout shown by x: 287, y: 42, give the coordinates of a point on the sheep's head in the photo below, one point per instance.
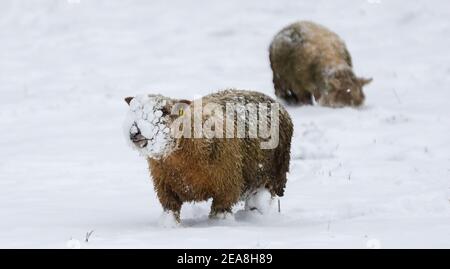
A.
x: 344, y: 89
x: 148, y: 124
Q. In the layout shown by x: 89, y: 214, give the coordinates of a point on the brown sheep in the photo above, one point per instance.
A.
x: 226, y: 169
x: 309, y: 61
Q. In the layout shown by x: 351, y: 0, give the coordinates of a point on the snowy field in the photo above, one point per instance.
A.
x: 373, y: 177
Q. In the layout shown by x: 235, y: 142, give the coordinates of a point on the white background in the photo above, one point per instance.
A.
x: 374, y: 177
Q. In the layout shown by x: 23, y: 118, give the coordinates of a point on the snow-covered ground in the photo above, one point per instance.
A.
x: 374, y: 177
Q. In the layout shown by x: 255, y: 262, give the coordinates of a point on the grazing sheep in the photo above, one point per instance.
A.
x: 224, y: 167
x: 309, y: 61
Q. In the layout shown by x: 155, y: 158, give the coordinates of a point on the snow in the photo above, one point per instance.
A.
x: 168, y: 220
x: 73, y: 244
x: 144, y: 117
x: 367, y: 178
x: 260, y: 201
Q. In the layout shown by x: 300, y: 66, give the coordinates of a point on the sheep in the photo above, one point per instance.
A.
x: 309, y: 61
x: 191, y: 166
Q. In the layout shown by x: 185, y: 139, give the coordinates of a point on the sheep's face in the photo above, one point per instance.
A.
x: 147, y: 125
x: 344, y: 90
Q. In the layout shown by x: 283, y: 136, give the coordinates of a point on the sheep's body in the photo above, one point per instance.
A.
x: 309, y: 61
x: 224, y: 169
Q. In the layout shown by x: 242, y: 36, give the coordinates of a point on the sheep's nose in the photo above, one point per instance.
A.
x: 136, y: 137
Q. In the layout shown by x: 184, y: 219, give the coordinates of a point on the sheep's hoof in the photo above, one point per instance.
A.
x: 169, y: 219
x: 286, y: 95
x: 221, y: 215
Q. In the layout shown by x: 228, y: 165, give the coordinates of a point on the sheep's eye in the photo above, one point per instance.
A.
x: 180, y: 112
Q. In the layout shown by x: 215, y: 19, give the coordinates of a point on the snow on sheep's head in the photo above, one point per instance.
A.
x: 147, y: 126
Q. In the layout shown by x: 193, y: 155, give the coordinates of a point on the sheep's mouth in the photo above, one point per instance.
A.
x: 139, y: 140
x: 141, y: 143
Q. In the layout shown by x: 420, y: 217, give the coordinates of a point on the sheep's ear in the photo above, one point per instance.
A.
x: 128, y: 100
x: 365, y: 81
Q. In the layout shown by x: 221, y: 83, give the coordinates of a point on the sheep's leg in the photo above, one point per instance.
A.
x: 291, y: 97
x: 283, y: 90
x: 169, y: 219
x: 304, y: 97
x: 221, y: 206
x: 170, y: 202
